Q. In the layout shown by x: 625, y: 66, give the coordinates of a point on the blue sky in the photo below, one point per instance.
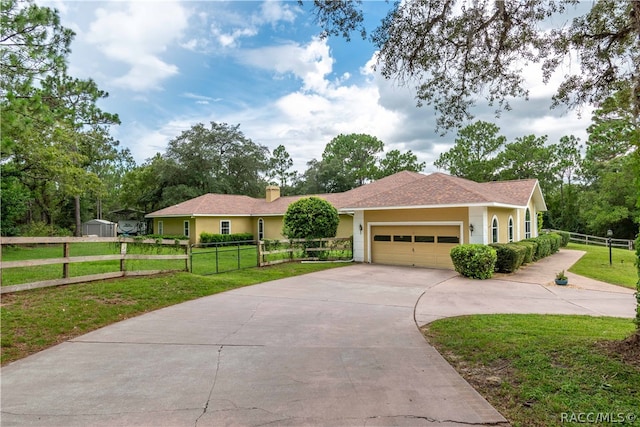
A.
x: 168, y: 65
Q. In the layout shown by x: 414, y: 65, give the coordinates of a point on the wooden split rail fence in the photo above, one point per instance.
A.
x: 587, y: 239
x: 66, y: 259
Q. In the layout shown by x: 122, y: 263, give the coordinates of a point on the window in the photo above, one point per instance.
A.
x: 424, y: 239
x: 511, y: 229
x: 527, y: 224
x: 186, y: 228
x: 494, y: 230
x: 260, y: 229
x: 225, y: 227
x: 448, y: 239
x: 381, y: 238
x: 160, y: 227
x: 402, y: 239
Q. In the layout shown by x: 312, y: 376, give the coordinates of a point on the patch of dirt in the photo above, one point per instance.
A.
x: 628, y: 350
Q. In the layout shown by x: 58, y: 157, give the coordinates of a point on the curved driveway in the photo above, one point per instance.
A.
x: 338, y: 347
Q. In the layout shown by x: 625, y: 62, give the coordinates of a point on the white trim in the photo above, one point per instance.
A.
x: 495, y: 218
x: 225, y: 220
x: 409, y: 224
x: 358, y: 237
x: 511, y: 233
x: 456, y: 205
x: 260, y: 221
x: 160, y: 227
x: 525, y: 224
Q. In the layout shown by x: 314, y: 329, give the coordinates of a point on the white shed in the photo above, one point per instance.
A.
x: 99, y: 227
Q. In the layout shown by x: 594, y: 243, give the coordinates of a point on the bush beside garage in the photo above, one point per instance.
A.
x: 481, y: 261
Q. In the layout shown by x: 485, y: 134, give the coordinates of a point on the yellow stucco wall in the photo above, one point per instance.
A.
x: 416, y: 215
x: 273, y: 227
x: 502, y: 215
x: 172, y: 226
x: 211, y: 224
x: 239, y: 224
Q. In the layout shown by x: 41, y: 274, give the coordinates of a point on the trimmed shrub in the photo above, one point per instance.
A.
x: 165, y: 236
x: 556, y: 242
x: 225, y: 238
x: 310, y: 218
x: 543, y: 247
x: 566, y: 237
x: 474, y: 260
x: 530, y: 250
x: 509, y: 256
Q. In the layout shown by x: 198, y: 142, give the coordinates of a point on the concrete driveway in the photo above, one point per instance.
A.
x: 338, y: 347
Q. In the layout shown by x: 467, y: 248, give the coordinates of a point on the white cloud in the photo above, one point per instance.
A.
x: 136, y: 34
x: 275, y: 11
x: 201, y: 99
x: 310, y: 63
x: 229, y: 28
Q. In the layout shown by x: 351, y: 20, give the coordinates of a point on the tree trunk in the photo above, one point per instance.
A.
x: 78, y: 232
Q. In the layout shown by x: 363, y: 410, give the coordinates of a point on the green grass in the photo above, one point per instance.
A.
x: 37, y: 319
x: 14, y: 276
x: 595, y: 264
x: 225, y: 258
x: 547, y: 365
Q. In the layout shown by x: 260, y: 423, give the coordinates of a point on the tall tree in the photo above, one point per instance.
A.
x: 474, y: 155
x: 455, y: 51
x: 349, y: 161
x: 218, y: 159
x: 280, y: 165
x: 49, y: 118
x: 395, y: 161
x: 528, y: 157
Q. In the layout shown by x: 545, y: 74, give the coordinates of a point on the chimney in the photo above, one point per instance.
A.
x: 273, y: 193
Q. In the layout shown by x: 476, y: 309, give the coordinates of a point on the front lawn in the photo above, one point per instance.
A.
x: 37, y: 319
x: 541, y: 370
x: 595, y: 264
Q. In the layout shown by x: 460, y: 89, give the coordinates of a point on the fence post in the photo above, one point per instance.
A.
x: 259, y: 252
x: 216, y: 259
x: 123, y: 253
x: 65, y: 266
x: 238, y: 256
x: 188, y: 262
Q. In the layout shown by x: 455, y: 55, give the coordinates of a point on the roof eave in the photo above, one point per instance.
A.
x: 451, y: 205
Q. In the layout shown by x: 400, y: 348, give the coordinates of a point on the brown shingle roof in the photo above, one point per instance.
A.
x: 438, y: 189
x: 403, y: 189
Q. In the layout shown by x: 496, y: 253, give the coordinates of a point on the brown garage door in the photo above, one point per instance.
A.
x: 420, y: 246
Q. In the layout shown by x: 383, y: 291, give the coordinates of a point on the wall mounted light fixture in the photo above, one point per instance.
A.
x: 471, y: 229
x: 360, y: 228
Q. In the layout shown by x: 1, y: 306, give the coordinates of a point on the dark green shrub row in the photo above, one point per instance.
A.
x: 530, y: 250
x: 165, y: 236
x: 566, y: 237
x: 509, y: 256
x: 546, y: 244
x: 474, y: 260
x: 224, y: 238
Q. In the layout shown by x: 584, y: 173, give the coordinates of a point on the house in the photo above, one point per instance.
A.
x: 404, y: 219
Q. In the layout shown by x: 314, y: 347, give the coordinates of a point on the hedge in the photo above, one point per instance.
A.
x: 224, y: 238
x: 566, y: 237
x: 474, y: 260
x: 509, y: 256
x: 530, y: 250
x: 165, y: 236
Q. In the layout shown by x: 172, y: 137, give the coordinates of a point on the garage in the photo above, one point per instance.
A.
x: 414, y: 245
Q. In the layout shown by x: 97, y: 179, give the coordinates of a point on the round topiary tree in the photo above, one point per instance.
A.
x: 310, y: 218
